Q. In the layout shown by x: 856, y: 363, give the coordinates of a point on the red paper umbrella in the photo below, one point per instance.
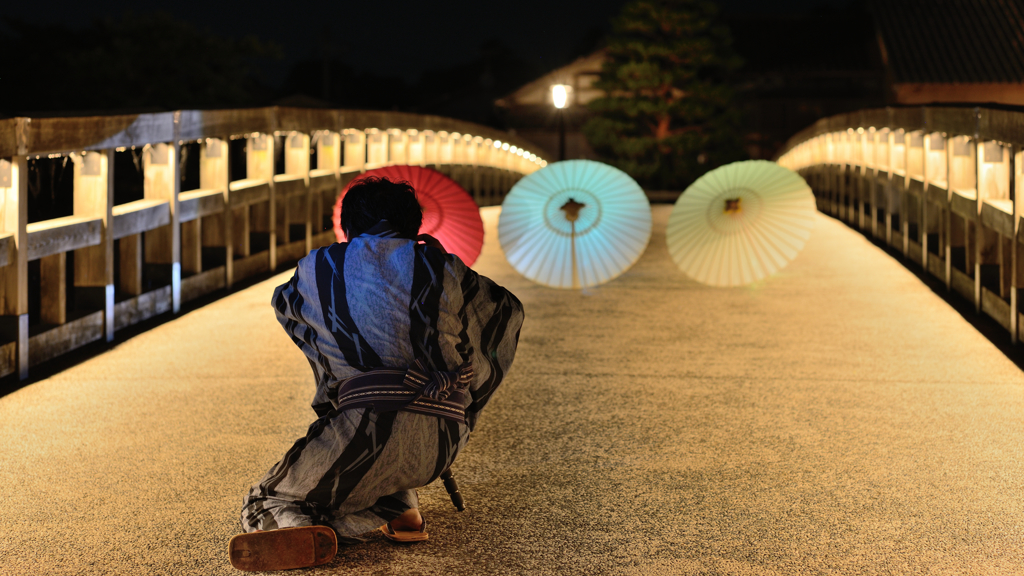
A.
x: 449, y: 212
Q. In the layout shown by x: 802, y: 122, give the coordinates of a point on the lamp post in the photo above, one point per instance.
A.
x: 560, y: 98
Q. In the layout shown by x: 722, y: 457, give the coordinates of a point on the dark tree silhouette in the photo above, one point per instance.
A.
x: 668, y: 114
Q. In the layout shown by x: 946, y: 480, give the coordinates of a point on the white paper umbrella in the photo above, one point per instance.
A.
x: 574, y: 224
x: 740, y: 223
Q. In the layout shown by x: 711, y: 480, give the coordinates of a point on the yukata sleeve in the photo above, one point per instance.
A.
x: 492, y: 318
x: 294, y: 305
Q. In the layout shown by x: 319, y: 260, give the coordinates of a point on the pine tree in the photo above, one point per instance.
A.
x: 668, y: 113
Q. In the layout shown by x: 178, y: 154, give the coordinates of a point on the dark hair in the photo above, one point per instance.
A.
x: 372, y: 199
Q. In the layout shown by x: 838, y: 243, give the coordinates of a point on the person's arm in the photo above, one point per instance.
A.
x: 493, y: 317
x: 431, y: 241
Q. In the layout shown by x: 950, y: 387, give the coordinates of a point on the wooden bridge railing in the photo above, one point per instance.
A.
x: 940, y: 184
x: 264, y: 196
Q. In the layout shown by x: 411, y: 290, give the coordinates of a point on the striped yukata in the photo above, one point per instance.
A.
x: 380, y: 302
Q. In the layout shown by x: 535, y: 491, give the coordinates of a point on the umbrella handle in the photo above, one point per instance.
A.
x: 453, y: 489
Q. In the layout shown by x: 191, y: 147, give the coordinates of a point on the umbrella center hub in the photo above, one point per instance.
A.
x: 572, y: 211
x: 734, y: 210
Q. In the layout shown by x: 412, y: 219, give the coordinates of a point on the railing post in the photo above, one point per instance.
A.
x: 1014, y: 248
x: 53, y: 287
x: 329, y: 148
x: 861, y: 170
x: 834, y: 198
x: 175, y: 192
x: 948, y: 213
x: 14, y: 188
x: 131, y: 264
x: 890, y: 190
x: 296, y: 163
x: 308, y: 201
x: 215, y: 174
x: 355, y: 149
x: 163, y: 245
x: 192, y: 246
x: 842, y: 211
x: 979, y: 233
x: 94, y: 197
x: 925, y: 224
x: 872, y: 184
x: 259, y: 158
x: 905, y: 196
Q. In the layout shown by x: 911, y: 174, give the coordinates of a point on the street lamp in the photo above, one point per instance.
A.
x: 560, y: 98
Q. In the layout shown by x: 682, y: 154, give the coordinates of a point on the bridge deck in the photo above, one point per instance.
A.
x: 837, y: 418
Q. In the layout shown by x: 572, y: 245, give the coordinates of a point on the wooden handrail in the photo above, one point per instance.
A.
x: 63, y: 235
x: 30, y: 136
x: 140, y: 216
x: 198, y: 203
x: 249, y: 191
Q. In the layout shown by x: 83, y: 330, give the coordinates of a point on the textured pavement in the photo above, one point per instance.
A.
x: 837, y: 418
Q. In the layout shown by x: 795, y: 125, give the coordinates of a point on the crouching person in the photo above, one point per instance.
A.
x: 407, y: 344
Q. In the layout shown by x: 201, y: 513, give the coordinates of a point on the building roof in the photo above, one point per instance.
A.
x: 579, y: 74
x: 952, y: 41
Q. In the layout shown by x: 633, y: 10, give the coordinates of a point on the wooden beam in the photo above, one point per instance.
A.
x: 293, y: 187
x: 259, y: 158
x: 926, y: 216
x: 355, y: 150
x: 53, y: 288
x: 7, y: 254
x: 288, y: 185
x: 192, y: 246
x: 51, y: 237
x: 45, y: 135
x: 948, y: 220
x: 200, y: 203
x: 98, y: 133
x: 241, y: 231
x: 215, y: 174
x: 979, y: 230
x: 321, y: 181
x: 328, y: 152
x: 131, y: 264
x: 1005, y: 247
x: 94, y: 198
x: 158, y: 163
x: 163, y: 245
x: 1015, y: 245
x: 296, y: 154
x: 140, y: 216
x: 14, y: 222
x: 247, y: 192
x: 283, y: 224
x: 212, y: 230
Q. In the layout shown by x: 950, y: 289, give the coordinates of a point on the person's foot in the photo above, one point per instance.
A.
x: 283, y: 549
x: 409, y: 527
x: 409, y: 521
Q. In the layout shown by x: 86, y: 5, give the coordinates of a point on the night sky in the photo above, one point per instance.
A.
x: 404, y: 39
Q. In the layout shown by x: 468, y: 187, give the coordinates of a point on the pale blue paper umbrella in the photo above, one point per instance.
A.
x: 574, y: 224
x: 740, y: 223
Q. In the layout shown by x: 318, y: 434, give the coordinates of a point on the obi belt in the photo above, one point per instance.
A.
x: 417, y: 389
